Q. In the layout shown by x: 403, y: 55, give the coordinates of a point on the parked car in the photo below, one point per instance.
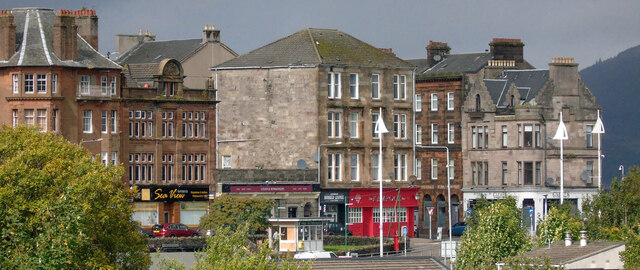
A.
x: 145, y: 232
x: 458, y: 228
x: 315, y: 255
x: 173, y: 230
x: 335, y: 228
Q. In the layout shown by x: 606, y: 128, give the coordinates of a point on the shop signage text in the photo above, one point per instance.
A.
x: 297, y: 188
x: 173, y: 193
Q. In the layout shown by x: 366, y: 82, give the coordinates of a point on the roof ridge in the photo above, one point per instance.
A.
x: 313, y: 41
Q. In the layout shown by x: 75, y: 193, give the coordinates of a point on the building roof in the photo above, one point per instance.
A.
x: 314, y: 47
x: 529, y: 83
x: 34, y: 43
x: 156, y: 51
x: 453, y: 63
x: 559, y: 254
x: 140, y: 73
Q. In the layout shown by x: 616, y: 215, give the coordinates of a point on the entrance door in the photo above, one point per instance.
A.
x: 166, y: 217
x: 528, y: 215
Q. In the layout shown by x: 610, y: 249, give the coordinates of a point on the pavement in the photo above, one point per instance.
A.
x: 426, y: 247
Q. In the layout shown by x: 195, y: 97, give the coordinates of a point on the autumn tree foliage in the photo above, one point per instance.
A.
x: 61, y: 210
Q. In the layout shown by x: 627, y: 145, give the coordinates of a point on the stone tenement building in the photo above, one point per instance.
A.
x: 170, y: 99
x: 507, y: 148
x: 50, y: 72
x: 442, y: 83
x: 318, y: 90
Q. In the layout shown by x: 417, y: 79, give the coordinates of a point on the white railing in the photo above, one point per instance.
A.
x: 93, y: 91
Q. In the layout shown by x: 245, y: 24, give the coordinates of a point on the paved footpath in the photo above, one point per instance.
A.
x: 426, y: 247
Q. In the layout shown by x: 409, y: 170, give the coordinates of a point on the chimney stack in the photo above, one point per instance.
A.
x: 7, y: 35
x: 65, y: 31
x: 436, y: 52
x: 507, y: 49
x: 567, y: 238
x: 209, y: 34
x: 87, y: 22
x: 564, y: 73
x: 126, y: 42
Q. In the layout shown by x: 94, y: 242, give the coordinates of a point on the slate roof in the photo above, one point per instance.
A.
x: 34, y: 43
x: 156, y: 51
x: 140, y: 73
x: 528, y: 82
x: 314, y: 47
x: 559, y: 254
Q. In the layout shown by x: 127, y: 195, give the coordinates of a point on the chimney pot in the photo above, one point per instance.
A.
x: 583, y: 238
x: 567, y: 238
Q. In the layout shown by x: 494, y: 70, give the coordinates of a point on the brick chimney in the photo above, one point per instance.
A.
x: 65, y: 31
x: 209, y: 34
x: 436, y: 52
x: 87, y: 23
x: 7, y: 35
x: 507, y: 49
x: 126, y: 42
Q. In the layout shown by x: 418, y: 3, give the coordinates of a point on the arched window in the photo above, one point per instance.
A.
x: 441, y: 211
x: 427, y: 204
x: 478, y: 103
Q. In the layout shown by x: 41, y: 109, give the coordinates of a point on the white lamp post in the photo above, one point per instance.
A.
x: 380, y: 129
x: 561, y: 135
x: 599, y: 129
x: 448, y: 191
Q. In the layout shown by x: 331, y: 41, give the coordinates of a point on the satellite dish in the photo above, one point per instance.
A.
x: 549, y: 181
x: 585, y: 176
x: 316, y: 156
x: 437, y: 57
x: 302, y: 164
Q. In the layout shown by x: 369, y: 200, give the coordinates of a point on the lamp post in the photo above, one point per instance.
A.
x: 380, y: 129
x: 561, y: 135
x: 599, y: 129
x: 448, y: 190
x: 319, y: 165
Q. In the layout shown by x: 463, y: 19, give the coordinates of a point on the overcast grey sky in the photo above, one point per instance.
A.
x: 587, y: 30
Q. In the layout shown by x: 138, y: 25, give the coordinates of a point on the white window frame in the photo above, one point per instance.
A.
x: 396, y: 87
x: 450, y: 101
x: 113, y: 84
x: 355, y: 167
x: 374, y: 119
x: 434, y: 169
x: 505, y: 173
x: 375, y: 162
x: 105, y: 158
x: 505, y: 136
x: 16, y: 83
x: 334, y: 85
x: 434, y: 133
x: 226, y: 162
x: 434, y: 102
x: 375, y: 86
x: 114, y: 158
x: 334, y: 124
x: 589, y: 135
x: 103, y: 121
x: 355, y: 215
x: 334, y: 169
x: 418, y: 134
x: 400, y: 126
x: 85, y: 81
x: 104, y: 86
x: 87, y: 121
x: 29, y: 83
x: 54, y: 116
x: 41, y: 83
x: 54, y: 83
x: 403, y: 87
x: 354, y: 89
x: 418, y: 103
x: 114, y: 121
x: 451, y: 169
x: 353, y: 125
x: 40, y: 119
x: 418, y: 168
x: 14, y: 117
x: 400, y: 166
x: 451, y: 133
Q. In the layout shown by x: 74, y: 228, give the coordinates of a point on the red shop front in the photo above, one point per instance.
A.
x: 397, y: 206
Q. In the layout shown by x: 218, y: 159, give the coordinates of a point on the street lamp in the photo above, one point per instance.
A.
x: 319, y: 165
x: 599, y: 129
x: 380, y: 129
x: 448, y: 189
x: 561, y: 135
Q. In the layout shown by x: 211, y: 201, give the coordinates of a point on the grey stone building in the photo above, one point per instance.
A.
x: 314, y: 90
x: 507, y: 126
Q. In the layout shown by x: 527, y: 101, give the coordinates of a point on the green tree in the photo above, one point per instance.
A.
x: 231, y: 249
x: 226, y: 210
x: 558, y: 221
x: 495, y: 235
x: 61, y: 210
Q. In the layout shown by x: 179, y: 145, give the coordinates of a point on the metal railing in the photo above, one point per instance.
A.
x: 93, y: 91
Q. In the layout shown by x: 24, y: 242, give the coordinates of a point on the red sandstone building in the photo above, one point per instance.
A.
x: 52, y: 77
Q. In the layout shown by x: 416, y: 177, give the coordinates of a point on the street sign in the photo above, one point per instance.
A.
x: 530, y: 210
x: 404, y: 230
x: 430, y: 211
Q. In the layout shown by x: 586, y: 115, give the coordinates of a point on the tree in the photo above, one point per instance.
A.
x: 495, y: 235
x: 556, y: 223
x: 61, y: 210
x: 228, y: 210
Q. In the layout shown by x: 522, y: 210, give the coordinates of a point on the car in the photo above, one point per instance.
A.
x: 458, y: 228
x: 173, y: 230
x: 335, y: 228
x: 142, y: 231
x: 315, y: 255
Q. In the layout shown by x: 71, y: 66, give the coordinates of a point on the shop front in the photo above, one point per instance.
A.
x: 332, y: 202
x: 292, y: 200
x: 398, y: 208
x: 297, y: 234
x: 170, y: 204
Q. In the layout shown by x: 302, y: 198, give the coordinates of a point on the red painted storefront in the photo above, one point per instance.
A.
x: 368, y: 199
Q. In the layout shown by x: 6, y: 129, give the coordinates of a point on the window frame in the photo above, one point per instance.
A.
x: 15, y: 83
x: 353, y: 125
x: 355, y: 168
x: 434, y: 169
x: 87, y: 121
x: 29, y: 83
x: 589, y: 136
x: 451, y: 133
x: 418, y: 103
x: 41, y: 83
x: 400, y: 167
x: 418, y: 134
x: 334, y: 167
x: 334, y: 125
x: 334, y: 85
x: 434, y: 102
x: 354, y: 86
x: 434, y: 133
x: 450, y: 101
x: 375, y: 86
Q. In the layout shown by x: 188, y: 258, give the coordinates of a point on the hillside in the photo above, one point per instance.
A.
x: 616, y: 84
